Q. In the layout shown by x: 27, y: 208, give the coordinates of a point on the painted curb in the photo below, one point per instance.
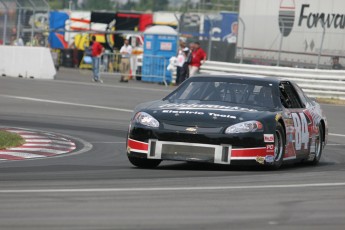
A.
x: 38, y: 144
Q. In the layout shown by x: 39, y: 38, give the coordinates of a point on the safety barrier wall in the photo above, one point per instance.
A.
x: 26, y: 62
x: 315, y: 82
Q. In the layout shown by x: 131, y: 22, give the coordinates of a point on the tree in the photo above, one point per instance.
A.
x: 153, y: 5
x: 98, y: 5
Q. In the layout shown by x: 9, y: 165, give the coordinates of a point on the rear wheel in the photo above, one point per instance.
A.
x: 318, y: 147
x: 279, y: 146
x: 143, y: 162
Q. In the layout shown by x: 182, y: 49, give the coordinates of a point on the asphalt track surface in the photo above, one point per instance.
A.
x: 97, y: 188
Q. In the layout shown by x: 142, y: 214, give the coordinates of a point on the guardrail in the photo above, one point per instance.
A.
x: 315, y: 82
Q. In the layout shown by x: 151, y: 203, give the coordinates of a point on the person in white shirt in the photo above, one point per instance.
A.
x: 126, y: 51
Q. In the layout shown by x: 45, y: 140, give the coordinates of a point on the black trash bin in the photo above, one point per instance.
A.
x: 67, y: 58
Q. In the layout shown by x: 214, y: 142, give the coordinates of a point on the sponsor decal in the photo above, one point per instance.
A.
x: 278, y: 116
x: 286, y: 16
x: 260, y: 160
x: 205, y: 106
x: 311, y: 157
x: 183, y: 112
x: 316, y: 19
x: 269, y: 159
x: 191, y: 129
x: 301, y: 130
x: 307, y: 17
x: 188, y: 112
x: 269, y: 138
x: 270, y: 148
x: 222, y: 115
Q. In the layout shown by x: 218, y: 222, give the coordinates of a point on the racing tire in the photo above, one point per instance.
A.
x: 319, y: 142
x: 279, y: 147
x: 144, y: 163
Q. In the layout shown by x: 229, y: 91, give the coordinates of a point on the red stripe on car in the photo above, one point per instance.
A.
x: 138, y: 145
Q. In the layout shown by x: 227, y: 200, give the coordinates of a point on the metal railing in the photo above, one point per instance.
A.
x: 150, y: 68
x: 315, y: 82
x: 23, y: 19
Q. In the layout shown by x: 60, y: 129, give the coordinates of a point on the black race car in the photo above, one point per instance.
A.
x: 226, y: 120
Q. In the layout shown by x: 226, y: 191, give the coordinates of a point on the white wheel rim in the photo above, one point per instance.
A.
x: 278, y: 145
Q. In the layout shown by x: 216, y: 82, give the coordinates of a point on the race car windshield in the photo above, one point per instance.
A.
x: 251, y: 94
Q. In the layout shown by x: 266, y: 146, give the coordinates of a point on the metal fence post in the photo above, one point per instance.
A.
x: 281, y: 40
x: 209, y: 50
x: 5, y: 22
x: 33, y: 19
x: 321, y: 45
x: 164, y: 72
x: 243, y: 34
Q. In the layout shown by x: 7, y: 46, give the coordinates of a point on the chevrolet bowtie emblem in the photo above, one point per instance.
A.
x: 191, y: 129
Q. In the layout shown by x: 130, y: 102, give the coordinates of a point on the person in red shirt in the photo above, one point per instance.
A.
x: 96, y: 52
x: 198, y: 58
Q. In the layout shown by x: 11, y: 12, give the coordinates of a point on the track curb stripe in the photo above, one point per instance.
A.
x: 38, y: 144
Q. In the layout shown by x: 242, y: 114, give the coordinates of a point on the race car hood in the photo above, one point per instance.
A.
x: 203, y: 114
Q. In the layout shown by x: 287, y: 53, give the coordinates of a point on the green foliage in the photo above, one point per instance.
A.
x: 153, y: 5
x: 98, y: 5
x: 149, y: 5
x: 8, y: 139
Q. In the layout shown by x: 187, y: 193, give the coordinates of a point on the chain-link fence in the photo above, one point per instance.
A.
x: 24, y: 22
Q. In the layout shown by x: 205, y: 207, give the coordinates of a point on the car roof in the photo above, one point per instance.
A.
x: 250, y: 77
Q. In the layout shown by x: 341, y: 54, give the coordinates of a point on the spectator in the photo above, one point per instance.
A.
x: 17, y: 41
x: 96, y: 52
x: 36, y: 40
x: 184, y: 74
x: 126, y: 51
x: 181, y: 58
x: 198, y: 59
x: 336, y: 65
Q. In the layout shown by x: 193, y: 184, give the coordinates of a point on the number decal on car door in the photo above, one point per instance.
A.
x: 301, y: 130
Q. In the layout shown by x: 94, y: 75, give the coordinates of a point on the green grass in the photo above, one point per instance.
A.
x: 8, y: 139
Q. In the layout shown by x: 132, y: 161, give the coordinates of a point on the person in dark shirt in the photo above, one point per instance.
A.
x: 336, y: 64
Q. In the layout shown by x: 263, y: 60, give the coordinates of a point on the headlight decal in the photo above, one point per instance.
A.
x: 146, y: 119
x: 245, y: 127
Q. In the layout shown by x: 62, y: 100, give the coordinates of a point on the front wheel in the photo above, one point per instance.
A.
x: 279, y: 147
x: 143, y: 162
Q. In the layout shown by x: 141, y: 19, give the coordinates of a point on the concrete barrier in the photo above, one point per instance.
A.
x: 315, y: 82
x: 26, y: 62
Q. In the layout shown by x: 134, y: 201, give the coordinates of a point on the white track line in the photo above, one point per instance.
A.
x: 25, y: 155
x: 38, y: 140
x: 48, y: 145
x: 161, y: 189
x: 108, y: 142
x: 45, y: 150
x: 336, y: 134
x: 68, y: 103
x: 32, y: 136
